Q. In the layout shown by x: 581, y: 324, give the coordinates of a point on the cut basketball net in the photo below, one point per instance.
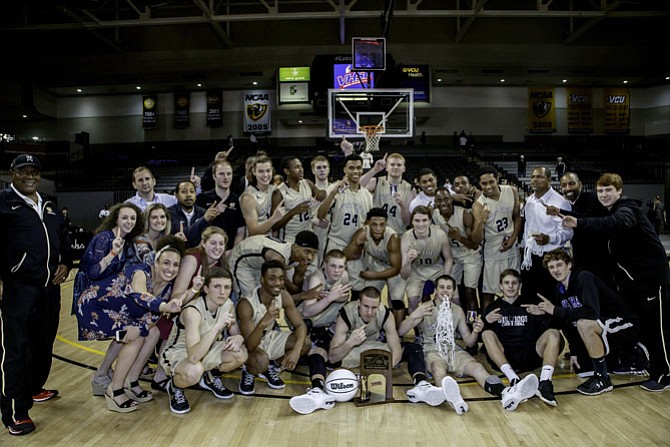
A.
x: 444, y: 332
x: 372, y: 136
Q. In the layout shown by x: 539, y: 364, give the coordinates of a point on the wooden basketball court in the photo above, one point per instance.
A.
x: 628, y: 416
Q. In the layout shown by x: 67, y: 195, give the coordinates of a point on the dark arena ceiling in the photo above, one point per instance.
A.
x: 111, y: 46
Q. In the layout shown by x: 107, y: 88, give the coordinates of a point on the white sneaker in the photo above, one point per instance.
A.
x: 453, y: 395
x: 425, y: 392
x: 519, y: 393
x: 314, y: 399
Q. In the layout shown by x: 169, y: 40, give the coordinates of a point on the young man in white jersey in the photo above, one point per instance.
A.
x: 362, y: 325
x: 321, y: 171
x: 296, y: 193
x: 457, y: 222
x: 426, y: 254
x: 347, y: 203
x: 205, y: 337
x: 320, y: 314
x: 378, y: 246
x: 435, y: 323
x: 256, y: 201
x: 391, y: 193
x: 258, y: 315
x: 497, y: 222
x: 427, y: 180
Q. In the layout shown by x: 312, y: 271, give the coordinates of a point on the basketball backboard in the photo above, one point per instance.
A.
x: 348, y: 110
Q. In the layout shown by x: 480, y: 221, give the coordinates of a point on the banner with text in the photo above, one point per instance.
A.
x: 580, y: 109
x: 418, y: 78
x: 149, y: 112
x: 257, y: 111
x: 616, y: 110
x: 214, y: 108
x: 541, y: 110
x: 182, y: 105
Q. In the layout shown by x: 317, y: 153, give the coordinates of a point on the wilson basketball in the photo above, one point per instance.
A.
x: 342, y: 384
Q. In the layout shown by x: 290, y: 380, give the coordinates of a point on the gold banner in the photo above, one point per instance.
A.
x: 580, y: 109
x: 616, y: 109
x: 541, y: 110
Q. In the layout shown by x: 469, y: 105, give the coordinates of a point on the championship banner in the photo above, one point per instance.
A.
x: 257, y: 111
x: 616, y: 110
x: 214, y: 108
x: 149, y: 114
x: 541, y: 110
x: 580, y: 109
x: 182, y: 105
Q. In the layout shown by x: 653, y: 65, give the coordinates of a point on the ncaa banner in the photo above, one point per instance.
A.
x: 149, y: 112
x: 182, y: 103
x: 257, y: 111
x: 616, y: 110
x: 541, y: 110
x: 214, y: 108
x: 580, y: 109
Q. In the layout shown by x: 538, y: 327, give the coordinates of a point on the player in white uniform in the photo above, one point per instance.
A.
x: 457, y: 222
x: 321, y: 313
x: 391, y: 192
x: 205, y: 337
x: 256, y: 201
x: 426, y: 254
x: 321, y: 171
x: 428, y: 183
x: 360, y: 326
x: 347, y: 203
x: 296, y: 193
x: 379, y: 248
x: 248, y: 256
x: 258, y: 315
x: 497, y: 222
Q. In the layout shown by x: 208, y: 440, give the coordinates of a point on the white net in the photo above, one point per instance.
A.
x: 444, y: 332
x: 372, y: 136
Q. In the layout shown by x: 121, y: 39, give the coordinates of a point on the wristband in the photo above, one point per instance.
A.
x: 194, y: 291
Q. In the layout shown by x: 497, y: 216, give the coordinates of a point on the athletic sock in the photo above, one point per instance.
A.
x: 419, y: 377
x: 494, y: 386
x: 317, y: 382
x: 509, y: 372
x: 599, y: 366
x: 317, y: 369
x: 547, y: 372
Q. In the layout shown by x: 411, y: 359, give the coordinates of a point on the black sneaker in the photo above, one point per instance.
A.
x: 21, y: 427
x: 637, y: 363
x: 596, y: 385
x: 545, y: 391
x: 272, y: 377
x: 654, y: 386
x: 214, y: 384
x: 178, y: 402
x: 247, y: 386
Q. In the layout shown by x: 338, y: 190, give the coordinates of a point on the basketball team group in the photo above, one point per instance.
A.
x: 266, y: 275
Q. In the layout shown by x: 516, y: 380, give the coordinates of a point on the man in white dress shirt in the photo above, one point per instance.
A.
x: 542, y: 232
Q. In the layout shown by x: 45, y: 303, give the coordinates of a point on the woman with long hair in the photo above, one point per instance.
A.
x: 157, y: 225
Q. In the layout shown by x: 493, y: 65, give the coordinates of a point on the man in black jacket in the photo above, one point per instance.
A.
x: 594, y: 318
x: 641, y: 270
x: 31, y: 269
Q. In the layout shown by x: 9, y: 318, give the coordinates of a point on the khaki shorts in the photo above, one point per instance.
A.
x: 396, y: 287
x: 416, y: 281
x: 461, y: 358
x: 468, y: 268
x: 274, y: 343
x: 171, y: 358
x: 353, y: 359
x: 493, y: 269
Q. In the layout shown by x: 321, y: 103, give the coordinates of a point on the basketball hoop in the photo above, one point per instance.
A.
x: 372, y: 135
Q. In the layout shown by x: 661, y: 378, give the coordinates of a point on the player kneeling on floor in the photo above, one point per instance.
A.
x: 204, y: 342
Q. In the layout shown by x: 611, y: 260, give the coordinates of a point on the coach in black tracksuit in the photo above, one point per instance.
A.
x: 31, y: 270
x: 640, y: 270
